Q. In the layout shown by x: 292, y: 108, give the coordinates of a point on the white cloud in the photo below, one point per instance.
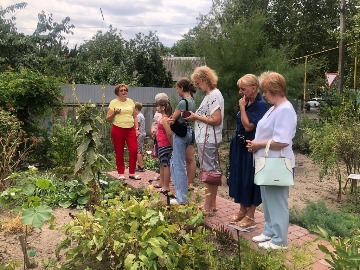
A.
x: 169, y: 18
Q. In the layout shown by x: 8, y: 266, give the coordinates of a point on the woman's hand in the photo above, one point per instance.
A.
x: 117, y: 111
x: 252, y: 146
x: 191, y: 117
x: 171, y: 120
x: 242, y: 102
x: 137, y: 132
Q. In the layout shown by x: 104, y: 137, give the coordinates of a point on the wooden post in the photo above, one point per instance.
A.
x: 341, y: 46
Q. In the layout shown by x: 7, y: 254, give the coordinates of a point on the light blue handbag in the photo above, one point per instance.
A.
x: 272, y: 171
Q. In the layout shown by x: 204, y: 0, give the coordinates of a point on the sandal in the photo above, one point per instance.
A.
x: 208, y: 213
x: 238, y: 217
x: 250, y: 224
x: 157, y: 186
x: 122, y: 178
x: 134, y: 177
x: 164, y: 191
x: 140, y: 169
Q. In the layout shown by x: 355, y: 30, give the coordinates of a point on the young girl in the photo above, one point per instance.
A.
x: 164, y: 141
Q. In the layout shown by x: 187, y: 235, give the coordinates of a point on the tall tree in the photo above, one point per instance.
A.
x: 104, y: 60
x: 236, y: 45
x: 147, y: 50
x: 14, y: 47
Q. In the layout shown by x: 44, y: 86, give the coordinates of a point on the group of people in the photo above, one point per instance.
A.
x: 256, y: 125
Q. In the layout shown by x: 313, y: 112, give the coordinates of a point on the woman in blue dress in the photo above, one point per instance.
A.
x: 241, y: 176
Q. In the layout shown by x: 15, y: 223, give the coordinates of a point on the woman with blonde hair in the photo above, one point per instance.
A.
x: 241, y: 163
x: 209, y: 116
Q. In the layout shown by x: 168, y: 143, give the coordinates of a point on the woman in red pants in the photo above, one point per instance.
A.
x: 125, y: 128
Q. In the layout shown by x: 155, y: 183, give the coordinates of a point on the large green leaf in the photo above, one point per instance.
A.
x: 79, y: 164
x: 129, y: 261
x: 37, y: 216
x: 83, y: 146
x: 65, y: 203
x: 28, y: 189
x: 43, y: 183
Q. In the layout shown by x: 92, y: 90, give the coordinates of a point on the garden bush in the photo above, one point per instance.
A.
x: 14, y: 146
x: 336, y: 223
x: 132, y: 233
x: 346, y: 252
x: 62, y: 147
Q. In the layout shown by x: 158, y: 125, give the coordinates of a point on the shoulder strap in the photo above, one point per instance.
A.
x: 187, y: 104
x: 217, y: 148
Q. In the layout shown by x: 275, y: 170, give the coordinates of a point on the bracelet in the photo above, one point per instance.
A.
x: 137, y: 128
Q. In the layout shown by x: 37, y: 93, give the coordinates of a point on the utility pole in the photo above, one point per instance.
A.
x: 341, y: 46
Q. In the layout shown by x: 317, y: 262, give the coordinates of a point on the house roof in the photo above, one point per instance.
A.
x: 182, y: 66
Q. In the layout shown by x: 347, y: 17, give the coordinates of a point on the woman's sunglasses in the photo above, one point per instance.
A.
x: 123, y: 90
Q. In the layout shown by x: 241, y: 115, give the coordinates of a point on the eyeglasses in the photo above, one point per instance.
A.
x: 123, y: 90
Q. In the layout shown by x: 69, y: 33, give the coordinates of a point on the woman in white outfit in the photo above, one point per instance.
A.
x: 279, y: 125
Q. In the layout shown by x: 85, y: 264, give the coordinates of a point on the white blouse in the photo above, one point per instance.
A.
x: 279, y: 125
x: 211, y: 102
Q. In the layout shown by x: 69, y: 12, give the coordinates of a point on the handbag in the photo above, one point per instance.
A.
x: 273, y: 171
x: 210, y: 177
x: 180, y: 129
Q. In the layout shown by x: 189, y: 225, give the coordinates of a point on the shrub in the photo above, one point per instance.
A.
x: 346, y: 255
x: 317, y: 214
x: 135, y: 233
x: 14, y: 146
x: 62, y: 147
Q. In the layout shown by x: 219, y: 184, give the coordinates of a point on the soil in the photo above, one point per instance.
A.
x: 307, y: 187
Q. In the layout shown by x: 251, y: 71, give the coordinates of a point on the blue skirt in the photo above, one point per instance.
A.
x: 241, y: 175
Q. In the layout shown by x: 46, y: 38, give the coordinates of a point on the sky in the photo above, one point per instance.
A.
x: 169, y: 18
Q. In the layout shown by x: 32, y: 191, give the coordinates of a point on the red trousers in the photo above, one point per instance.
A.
x: 119, y: 137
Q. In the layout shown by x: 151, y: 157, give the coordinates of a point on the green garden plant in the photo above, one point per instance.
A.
x: 346, y: 255
x: 34, y: 211
x: 14, y: 146
x: 62, y: 146
x: 336, y: 223
x: 334, y: 141
x: 137, y: 233
x: 89, y: 160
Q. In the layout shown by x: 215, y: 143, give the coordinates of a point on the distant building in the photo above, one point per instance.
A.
x: 182, y: 66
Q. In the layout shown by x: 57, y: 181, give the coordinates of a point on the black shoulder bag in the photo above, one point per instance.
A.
x: 180, y: 129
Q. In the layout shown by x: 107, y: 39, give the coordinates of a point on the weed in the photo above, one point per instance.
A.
x: 316, y: 214
x: 14, y: 226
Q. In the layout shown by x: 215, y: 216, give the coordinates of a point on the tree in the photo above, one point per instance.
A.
x: 45, y: 51
x: 149, y: 67
x: 185, y: 46
x: 307, y: 27
x: 104, y: 59
x: 13, y: 46
x: 234, y: 46
x: 31, y: 96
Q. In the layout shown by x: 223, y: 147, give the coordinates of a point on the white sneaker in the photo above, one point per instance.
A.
x: 269, y: 245
x: 174, y: 201
x: 261, y: 238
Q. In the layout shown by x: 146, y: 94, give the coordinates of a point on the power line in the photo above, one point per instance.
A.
x: 125, y: 26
